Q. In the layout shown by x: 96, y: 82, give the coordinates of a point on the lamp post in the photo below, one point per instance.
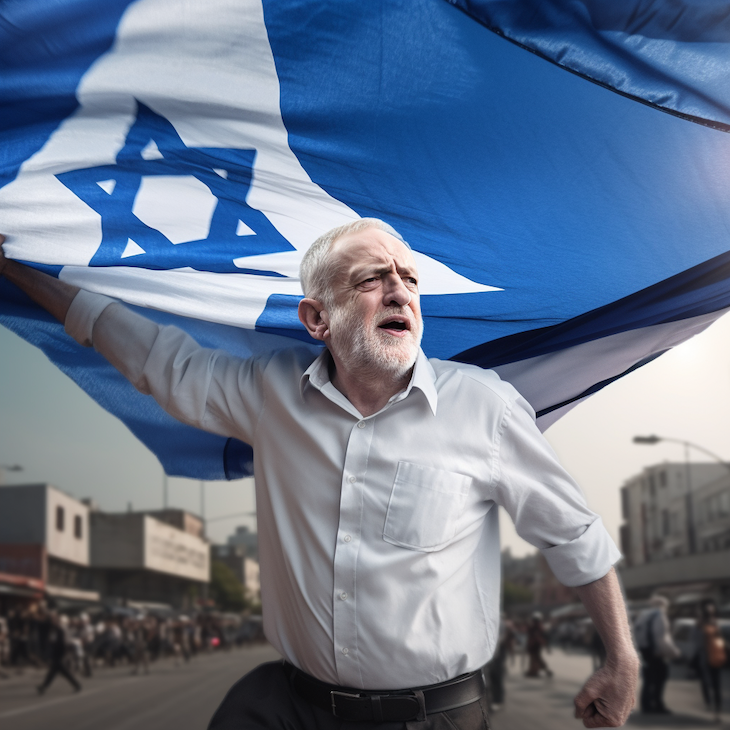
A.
x: 8, y: 467
x: 202, y: 502
x: 652, y: 440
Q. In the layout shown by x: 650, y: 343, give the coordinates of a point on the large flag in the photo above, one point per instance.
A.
x: 568, y: 206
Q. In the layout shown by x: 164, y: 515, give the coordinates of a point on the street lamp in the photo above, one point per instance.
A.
x: 9, y: 467
x: 652, y: 440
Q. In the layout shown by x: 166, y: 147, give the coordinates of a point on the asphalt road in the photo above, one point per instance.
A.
x: 184, y: 697
x: 168, y: 698
x: 547, y: 704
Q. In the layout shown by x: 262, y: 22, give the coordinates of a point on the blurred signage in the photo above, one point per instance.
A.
x: 170, y: 550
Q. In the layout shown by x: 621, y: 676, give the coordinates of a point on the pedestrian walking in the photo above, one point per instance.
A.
x: 536, y: 642
x: 710, y: 656
x: 657, y: 649
x: 58, y: 645
x: 140, y: 654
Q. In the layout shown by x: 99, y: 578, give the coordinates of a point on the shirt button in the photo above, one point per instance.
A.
x: 352, y: 479
x: 347, y: 538
x: 361, y: 424
x: 343, y: 596
x: 345, y: 651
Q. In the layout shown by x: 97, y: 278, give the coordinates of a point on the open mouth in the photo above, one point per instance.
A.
x: 396, y: 325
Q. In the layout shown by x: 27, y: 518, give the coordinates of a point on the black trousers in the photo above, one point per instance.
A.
x: 58, y: 666
x: 265, y: 700
x: 711, y: 680
x: 655, y: 674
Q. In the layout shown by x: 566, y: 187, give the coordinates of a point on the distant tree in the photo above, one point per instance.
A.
x: 515, y: 594
x: 225, y: 589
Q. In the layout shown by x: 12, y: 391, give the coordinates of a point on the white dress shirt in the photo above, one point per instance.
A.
x: 378, y: 536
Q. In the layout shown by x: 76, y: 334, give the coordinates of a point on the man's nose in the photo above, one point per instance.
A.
x: 395, y: 292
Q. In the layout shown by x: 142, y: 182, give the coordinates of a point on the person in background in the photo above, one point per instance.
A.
x: 711, y: 655
x: 4, y: 647
x: 140, y: 653
x: 88, y: 639
x: 536, y: 641
x: 58, y: 646
x: 497, y: 667
x: 657, y: 649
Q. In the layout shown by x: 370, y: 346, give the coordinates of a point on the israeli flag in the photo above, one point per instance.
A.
x: 182, y: 156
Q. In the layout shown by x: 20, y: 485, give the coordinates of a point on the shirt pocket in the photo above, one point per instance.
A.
x: 425, y: 505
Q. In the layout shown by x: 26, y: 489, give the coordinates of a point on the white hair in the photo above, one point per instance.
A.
x: 315, y: 270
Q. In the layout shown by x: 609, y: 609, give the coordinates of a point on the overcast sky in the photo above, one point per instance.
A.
x: 59, y: 435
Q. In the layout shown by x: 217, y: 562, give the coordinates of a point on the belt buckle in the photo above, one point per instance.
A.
x: 335, y: 693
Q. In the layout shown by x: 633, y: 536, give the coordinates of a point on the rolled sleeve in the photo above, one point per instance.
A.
x: 546, y: 505
x: 585, y: 559
x: 81, y: 317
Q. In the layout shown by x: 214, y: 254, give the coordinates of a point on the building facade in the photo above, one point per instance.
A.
x: 137, y: 557
x: 45, y: 542
x: 243, y: 537
x: 56, y: 547
x: 676, y: 529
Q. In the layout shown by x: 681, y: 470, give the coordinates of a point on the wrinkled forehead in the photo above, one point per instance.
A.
x: 371, y: 247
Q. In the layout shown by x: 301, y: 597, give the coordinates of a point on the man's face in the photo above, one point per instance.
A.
x: 375, y: 318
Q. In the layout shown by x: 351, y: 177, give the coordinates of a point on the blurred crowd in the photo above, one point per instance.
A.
x: 78, y: 644
x: 693, y: 638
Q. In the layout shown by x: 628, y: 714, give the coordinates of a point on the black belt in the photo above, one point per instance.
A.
x: 356, y: 705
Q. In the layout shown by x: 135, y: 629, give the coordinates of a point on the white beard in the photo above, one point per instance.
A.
x: 373, y: 350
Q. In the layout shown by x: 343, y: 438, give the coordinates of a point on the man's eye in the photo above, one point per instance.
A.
x: 411, y: 280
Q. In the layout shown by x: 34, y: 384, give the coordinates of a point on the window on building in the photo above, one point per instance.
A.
x: 60, y: 517
x: 662, y: 479
x: 625, y: 503
x: 725, y: 503
x: 78, y: 527
x: 665, y: 522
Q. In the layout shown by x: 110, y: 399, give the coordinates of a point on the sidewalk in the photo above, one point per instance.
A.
x: 547, y: 704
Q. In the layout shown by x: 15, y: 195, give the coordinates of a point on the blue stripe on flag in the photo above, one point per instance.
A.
x: 700, y: 290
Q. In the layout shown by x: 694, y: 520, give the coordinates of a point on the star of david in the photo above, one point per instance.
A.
x: 165, y: 205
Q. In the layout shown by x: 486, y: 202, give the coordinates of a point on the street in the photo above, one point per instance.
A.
x: 547, y: 704
x: 184, y: 697
x: 168, y: 698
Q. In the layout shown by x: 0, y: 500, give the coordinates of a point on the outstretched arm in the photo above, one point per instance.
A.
x: 608, y: 696
x: 201, y: 387
x: 52, y: 294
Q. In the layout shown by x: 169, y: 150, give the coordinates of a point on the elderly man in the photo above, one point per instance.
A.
x: 378, y: 473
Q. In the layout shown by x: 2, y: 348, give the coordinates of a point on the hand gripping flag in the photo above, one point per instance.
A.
x: 568, y: 206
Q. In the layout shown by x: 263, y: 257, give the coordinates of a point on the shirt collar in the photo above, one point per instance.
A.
x: 424, y: 378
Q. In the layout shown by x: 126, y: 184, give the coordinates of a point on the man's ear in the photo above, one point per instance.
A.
x: 315, y: 318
